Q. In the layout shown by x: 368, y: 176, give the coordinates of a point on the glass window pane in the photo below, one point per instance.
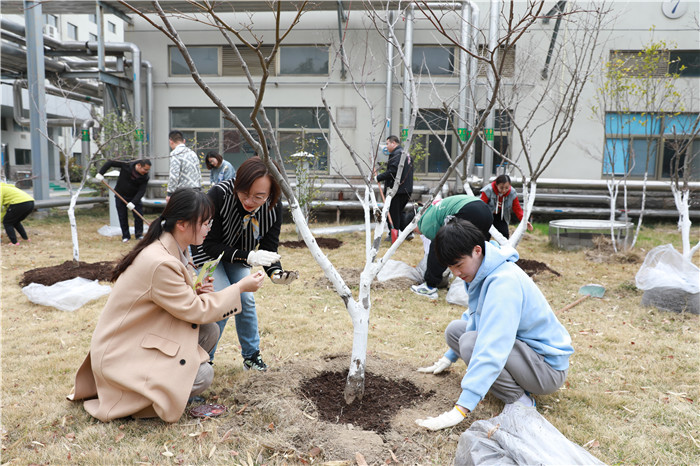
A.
x: 695, y: 162
x: 304, y: 60
x: 437, y: 161
x: 632, y: 124
x: 680, y: 124
x: 72, y: 31
x: 303, y: 118
x: 206, y: 59
x: 500, y: 144
x: 436, y: 120
x: 206, y: 141
x: 615, y: 154
x: 243, y: 114
x: 419, y: 151
x: 316, y: 144
x: 640, y: 151
x: 433, y: 60
x: 236, y: 148
x: 194, y: 118
x: 685, y: 63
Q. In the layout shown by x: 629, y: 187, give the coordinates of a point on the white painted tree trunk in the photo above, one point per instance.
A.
x: 681, y: 199
x: 612, y: 190
x: 74, y: 226
x: 522, y: 226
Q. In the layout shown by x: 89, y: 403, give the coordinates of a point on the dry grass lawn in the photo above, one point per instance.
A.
x: 631, y: 397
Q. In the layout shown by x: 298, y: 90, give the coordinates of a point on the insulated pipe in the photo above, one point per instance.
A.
x: 408, y: 59
x: 491, y: 84
x: 17, y: 87
x: 389, y: 80
x: 149, y: 105
x: 466, y: 96
x: 85, y: 137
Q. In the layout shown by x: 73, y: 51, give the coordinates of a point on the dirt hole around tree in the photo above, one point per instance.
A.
x: 325, y: 243
x: 382, y: 399
x: 48, y: 276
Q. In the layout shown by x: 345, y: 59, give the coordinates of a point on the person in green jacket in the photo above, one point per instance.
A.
x: 436, y: 215
x: 16, y: 206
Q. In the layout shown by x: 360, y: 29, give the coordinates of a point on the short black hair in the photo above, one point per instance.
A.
x: 394, y: 139
x: 176, y: 136
x: 144, y: 162
x: 456, y: 239
x: 500, y: 179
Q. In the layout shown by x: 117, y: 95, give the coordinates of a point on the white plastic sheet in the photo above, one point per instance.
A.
x: 519, y: 435
x: 67, y: 295
x: 457, y: 294
x: 664, y: 267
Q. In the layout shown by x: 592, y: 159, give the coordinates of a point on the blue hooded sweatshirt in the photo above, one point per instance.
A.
x: 505, y: 305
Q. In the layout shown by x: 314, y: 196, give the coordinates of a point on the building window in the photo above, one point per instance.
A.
x: 508, y: 60
x: 3, y: 122
x: 93, y: 18
x: 685, y: 63
x: 93, y: 37
x: 206, y: 129
x: 304, y: 60
x: 111, y: 27
x: 500, y: 143
x: 23, y: 157
x: 432, y: 60
x: 432, y: 141
x: 51, y: 20
x: 206, y: 59
x: 72, y: 31
x: 636, y: 143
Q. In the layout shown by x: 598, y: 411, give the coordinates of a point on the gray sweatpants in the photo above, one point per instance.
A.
x: 525, y: 369
x: 208, y: 336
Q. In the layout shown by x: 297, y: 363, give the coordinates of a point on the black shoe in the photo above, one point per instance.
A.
x: 255, y: 362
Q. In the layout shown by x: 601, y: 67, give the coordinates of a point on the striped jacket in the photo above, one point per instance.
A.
x: 234, y: 236
x: 184, y: 169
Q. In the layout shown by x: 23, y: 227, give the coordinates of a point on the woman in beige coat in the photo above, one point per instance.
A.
x: 148, y: 354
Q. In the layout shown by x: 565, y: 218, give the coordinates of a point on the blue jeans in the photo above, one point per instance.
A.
x: 247, y: 321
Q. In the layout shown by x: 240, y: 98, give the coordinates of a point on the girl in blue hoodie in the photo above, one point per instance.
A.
x: 511, y: 340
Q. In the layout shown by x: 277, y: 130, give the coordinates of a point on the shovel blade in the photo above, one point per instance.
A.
x: 595, y: 291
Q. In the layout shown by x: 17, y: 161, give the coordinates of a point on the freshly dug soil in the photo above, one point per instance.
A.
x: 533, y: 267
x: 327, y: 243
x: 383, y: 398
x: 69, y: 269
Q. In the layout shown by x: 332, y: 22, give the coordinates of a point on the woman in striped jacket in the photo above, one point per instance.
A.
x: 245, y: 230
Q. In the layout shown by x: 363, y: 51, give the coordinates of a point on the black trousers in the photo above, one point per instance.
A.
x: 501, y: 225
x: 14, y: 215
x: 479, y: 214
x: 398, y: 203
x: 123, y: 214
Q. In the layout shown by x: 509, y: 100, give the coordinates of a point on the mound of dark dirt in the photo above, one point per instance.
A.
x: 533, y: 267
x: 383, y: 398
x: 327, y: 243
x: 69, y: 269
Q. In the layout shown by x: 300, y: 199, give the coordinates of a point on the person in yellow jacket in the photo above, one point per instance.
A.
x: 16, y: 206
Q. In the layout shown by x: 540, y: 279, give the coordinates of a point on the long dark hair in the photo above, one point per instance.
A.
x: 251, y: 170
x: 193, y: 207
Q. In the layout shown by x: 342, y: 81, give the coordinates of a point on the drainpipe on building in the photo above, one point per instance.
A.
x: 408, y: 58
x: 467, y: 84
x: 389, y: 80
x: 491, y: 83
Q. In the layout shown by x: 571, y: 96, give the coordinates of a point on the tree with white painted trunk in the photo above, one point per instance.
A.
x: 263, y: 136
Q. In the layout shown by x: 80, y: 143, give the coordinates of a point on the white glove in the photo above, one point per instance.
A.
x: 284, y: 277
x: 443, y: 421
x: 439, y: 366
x: 262, y: 257
x: 130, y: 206
x: 99, y: 177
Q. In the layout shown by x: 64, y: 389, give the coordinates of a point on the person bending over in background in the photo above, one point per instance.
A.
x: 462, y: 206
x: 16, y: 206
x: 131, y: 185
x: 502, y: 200
x: 246, y: 229
x: 512, y: 342
x: 149, y: 351
x: 220, y: 169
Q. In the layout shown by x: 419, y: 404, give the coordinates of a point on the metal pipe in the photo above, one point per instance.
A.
x: 65, y: 201
x: 85, y: 138
x: 17, y: 87
x: 389, y: 80
x: 473, y: 76
x: 408, y: 59
x: 491, y: 84
x: 149, y: 105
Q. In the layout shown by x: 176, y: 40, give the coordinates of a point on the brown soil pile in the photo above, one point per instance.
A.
x: 382, y: 399
x: 533, y: 267
x: 69, y: 269
x: 326, y: 243
x: 603, y: 252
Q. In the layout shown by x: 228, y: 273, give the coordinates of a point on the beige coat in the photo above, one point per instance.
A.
x: 144, y: 354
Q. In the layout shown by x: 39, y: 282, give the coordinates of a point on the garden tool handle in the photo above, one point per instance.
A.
x: 575, y: 303
x: 125, y: 202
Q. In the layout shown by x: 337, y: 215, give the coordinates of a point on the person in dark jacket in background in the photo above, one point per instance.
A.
x: 405, y: 188
x: 131, y: 185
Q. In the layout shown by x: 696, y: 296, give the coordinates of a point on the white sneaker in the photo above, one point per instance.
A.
x: 125, y: 240
x: 424, y: 290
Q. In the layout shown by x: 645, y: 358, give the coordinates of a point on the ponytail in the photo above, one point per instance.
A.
x: 185, y: 204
